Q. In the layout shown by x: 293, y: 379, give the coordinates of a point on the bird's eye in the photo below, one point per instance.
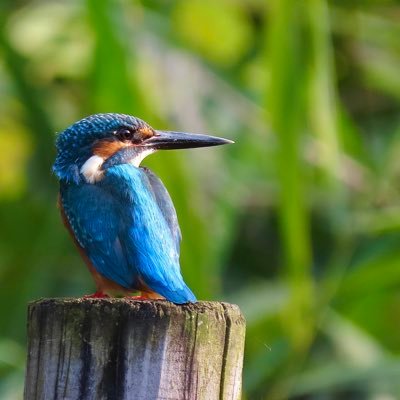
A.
x: 124, y: 134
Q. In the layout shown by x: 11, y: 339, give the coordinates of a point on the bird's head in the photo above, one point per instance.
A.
x: 95, y: 143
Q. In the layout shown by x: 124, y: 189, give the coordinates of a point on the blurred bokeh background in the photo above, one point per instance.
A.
x: 298, y: 222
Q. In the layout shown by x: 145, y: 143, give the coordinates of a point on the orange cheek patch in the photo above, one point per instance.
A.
x: 106, y: 148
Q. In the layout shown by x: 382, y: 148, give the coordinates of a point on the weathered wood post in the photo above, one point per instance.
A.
x: 141, y: 350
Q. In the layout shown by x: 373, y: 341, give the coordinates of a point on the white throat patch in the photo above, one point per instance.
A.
x: 91, y: 170
x: 140, y: 157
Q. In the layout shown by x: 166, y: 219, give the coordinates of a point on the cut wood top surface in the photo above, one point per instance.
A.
x: 151, y: 307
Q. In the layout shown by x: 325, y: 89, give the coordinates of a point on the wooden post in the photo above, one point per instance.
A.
x: 140, y: 350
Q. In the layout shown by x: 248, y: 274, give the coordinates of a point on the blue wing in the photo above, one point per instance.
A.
x: 122, y: 225
x: 94, y: 218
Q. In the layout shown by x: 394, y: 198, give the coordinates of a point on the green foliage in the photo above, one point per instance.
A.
x: 298, y: 222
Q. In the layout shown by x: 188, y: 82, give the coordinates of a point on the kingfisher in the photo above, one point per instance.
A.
x: 118, y: 213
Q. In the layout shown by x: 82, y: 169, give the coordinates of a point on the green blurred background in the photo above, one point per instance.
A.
x: 298, y: 222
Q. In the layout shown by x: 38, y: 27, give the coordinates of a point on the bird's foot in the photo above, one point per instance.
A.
x: 136, y: 298
x: 96, y: 295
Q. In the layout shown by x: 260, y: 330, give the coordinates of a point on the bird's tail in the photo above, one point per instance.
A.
x: 185, y: 295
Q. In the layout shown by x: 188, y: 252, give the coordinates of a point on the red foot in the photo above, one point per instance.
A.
x: 136, y: 297
x: 96, y: 295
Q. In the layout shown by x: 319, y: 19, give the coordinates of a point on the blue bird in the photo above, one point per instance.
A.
x: 119, y: 214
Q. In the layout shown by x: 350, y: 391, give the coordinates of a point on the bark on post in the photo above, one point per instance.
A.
x: 142, y: 350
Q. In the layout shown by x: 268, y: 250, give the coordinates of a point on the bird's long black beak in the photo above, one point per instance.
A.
x: 169, y: 140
